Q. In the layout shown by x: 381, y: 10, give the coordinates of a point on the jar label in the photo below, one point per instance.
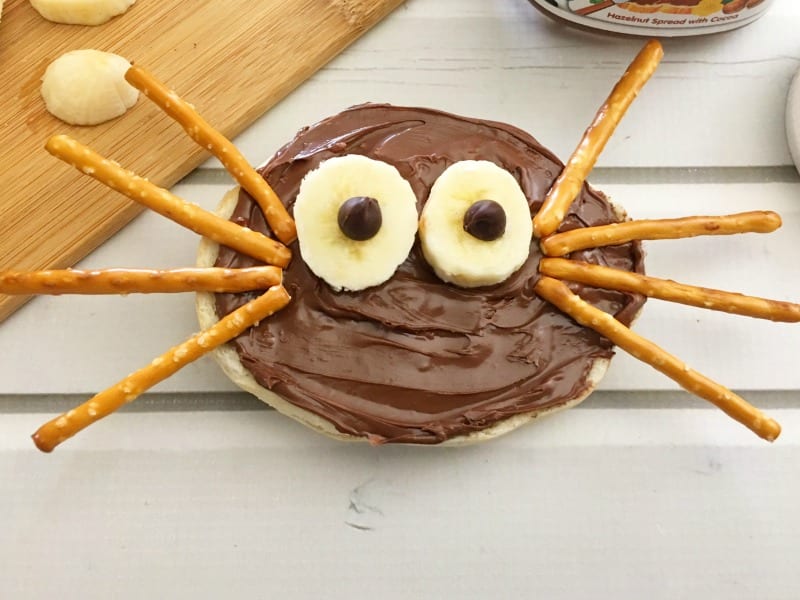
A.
x: 657, y: 14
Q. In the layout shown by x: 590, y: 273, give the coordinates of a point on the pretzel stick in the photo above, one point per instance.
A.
x: 672, y: 291
x: 142, y: 281
x: 569, y: 182
x: 557, y: 293
x: 51, y: 434
x: 658, y: 229
x: 209, y: 138
x: 165, y: 203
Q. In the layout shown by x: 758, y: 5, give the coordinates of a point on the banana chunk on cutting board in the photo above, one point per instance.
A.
x: 81, y: 12
x: 87, y: 87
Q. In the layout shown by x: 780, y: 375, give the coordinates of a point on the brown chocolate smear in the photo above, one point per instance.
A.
x: 414, y: 359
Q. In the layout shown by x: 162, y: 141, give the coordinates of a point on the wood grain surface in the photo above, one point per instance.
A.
x: 233, y: 60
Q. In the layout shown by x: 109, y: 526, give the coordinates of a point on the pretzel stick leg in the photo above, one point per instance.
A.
x: 672, y: 291
x: 141, y: 281
x: 51, y: 434
x: 570, y: 181
x: 167, y: 204
x: 210, y: 139
x: 558, y: 294
x: 760, y: 221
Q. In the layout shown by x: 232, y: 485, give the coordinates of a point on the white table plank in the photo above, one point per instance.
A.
x: 682, y: 504
x: 89, y: 343
x: 724, y: 94
x: 742, y: 353
x: 599, y: 501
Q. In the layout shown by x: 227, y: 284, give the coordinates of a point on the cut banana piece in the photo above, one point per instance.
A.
x: 477, y: 196
x: 87, y: 87
x: 343, y: 194
x: 81, y: 12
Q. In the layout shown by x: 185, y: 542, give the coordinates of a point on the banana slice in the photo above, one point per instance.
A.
x: 356, y: 221
x: 87, y: 87
x: 81, y: 12
x: 476, y: 226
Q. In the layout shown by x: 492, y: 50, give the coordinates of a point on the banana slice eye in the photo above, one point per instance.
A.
x: 356, y: 221
x: 476, y: 226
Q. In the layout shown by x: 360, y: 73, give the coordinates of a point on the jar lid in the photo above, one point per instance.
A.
x: 793, y: 120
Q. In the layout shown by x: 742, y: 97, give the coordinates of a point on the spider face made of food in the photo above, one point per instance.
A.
x: 507, y: 305
x: 417, y: 359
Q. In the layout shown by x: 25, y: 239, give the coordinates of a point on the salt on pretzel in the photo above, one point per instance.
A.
x: 209, y: 138
x: 559, y: 244
x: 672, y: 291
x: 570, y: 181
x: 165, y: 203
x: 138, y: 281
x: 557, y: 293
x: 51, y: 434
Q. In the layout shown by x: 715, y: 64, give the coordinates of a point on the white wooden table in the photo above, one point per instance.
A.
x: 196, y: 490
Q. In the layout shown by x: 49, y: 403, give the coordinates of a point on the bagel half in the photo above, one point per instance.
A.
x: 369, y: 413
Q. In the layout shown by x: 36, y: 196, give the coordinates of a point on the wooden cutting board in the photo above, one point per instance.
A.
x: 232, y: 59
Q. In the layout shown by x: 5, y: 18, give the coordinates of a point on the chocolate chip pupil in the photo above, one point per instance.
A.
x: 360, y: 218
x: 485, y: 220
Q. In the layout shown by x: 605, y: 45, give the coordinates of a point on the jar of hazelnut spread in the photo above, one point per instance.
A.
x: 650, y: 18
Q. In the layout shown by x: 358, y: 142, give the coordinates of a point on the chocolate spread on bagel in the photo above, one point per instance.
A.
x: 414, y: 359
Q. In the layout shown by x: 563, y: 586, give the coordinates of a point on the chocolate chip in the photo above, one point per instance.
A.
x: 360, y: 218
x: 485, y: 220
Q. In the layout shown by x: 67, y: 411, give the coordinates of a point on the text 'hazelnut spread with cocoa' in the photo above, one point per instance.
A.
x: 656, y: 18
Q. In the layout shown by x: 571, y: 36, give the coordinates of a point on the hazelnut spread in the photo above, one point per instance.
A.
x: 415, y: 359
x: 656, y: 17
